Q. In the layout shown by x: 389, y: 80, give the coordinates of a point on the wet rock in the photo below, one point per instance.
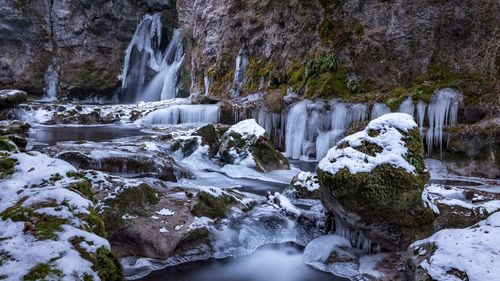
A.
x: 472, y: 150
x: 133, y: 159
x: 11, y: 98
x: 246, y: 143
x: 372, y: 182
x: 16, y: 131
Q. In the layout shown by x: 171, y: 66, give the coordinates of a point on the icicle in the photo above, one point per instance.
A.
x: 180, y: 114
x: 206, y: 81
x: 51, y: 79
x: 357, y: 238
x: 442, y: 111
x: 358, y: 113
x: 296, y: 129
x: 421, y: 116
x: 379, y: 109
x: 407, y: 107
x: 239, y: 73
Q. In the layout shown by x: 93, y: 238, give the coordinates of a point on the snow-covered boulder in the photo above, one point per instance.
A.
x: 458, y: 254
x: 247, y: 144
x: 304, y: 185
x: 49, y: 226
x: 10, y: 98
x: 373, y: 181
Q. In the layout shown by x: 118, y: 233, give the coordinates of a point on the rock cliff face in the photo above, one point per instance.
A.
x: 386, y: 42
x: 381, y: 42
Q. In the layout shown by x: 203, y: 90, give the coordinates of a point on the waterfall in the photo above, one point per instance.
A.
x: 378, y: 110
x: 407, y: 107
x: 184, y: 113
x: 51, y: 78
x: 442, y: 111
x: 206, y: 81
x: 149, y: 73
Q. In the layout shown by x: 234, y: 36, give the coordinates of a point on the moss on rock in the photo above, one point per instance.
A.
x: 43, y: 271
x: 132, y: 201
x: 212, y: 206
x: 385, y: 202
x: 210, y: 138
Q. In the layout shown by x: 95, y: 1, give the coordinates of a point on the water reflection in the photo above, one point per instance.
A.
x: 50, y: 135
x: 276, y: 262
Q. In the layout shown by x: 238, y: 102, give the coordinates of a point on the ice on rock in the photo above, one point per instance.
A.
x: 318, y: 252
x: 389, y: 139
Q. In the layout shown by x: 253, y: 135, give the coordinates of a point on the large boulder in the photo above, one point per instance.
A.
x: 457, y: 254
x: 248, y: 144
x: 10, y: 98
x: 372, y: 182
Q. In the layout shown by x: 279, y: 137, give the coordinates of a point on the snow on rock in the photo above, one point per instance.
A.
x: 304, y: 185
x: 282, y: 202
x: 44, y: 220
x: 389, y: 139
x: 247, y: 144
x: 165, y: 212
x: 248, y: 129
x: 459, y: 254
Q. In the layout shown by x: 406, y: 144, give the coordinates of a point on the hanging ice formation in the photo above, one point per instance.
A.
x: 379, y: 109
x: 313, y: 128
x: 442, y: 111
x: 51, y: 79
x: 150, y: 70
x: 309, y: 129
x: 240, y: 72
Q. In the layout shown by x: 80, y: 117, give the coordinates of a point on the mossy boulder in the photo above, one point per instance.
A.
x: 372, y: 181
x: 248, y: 144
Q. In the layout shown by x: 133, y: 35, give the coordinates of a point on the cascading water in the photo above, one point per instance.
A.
x: 51, y: 79
x: 442, y: 111
x: 378, y: 110
x: 184, y: 113
x: 150, y: 71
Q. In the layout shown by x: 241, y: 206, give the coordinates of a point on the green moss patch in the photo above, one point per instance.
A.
x: 6, y: 166
x: 323, y: 76
x: 209, y: 137
x: 212, y: 206
x: 83, y: 187
x: 43, y: 271
x: 134, y: 201
x: 6, y: 145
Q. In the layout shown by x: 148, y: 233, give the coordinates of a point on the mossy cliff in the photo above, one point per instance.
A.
x: 384, y: 203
